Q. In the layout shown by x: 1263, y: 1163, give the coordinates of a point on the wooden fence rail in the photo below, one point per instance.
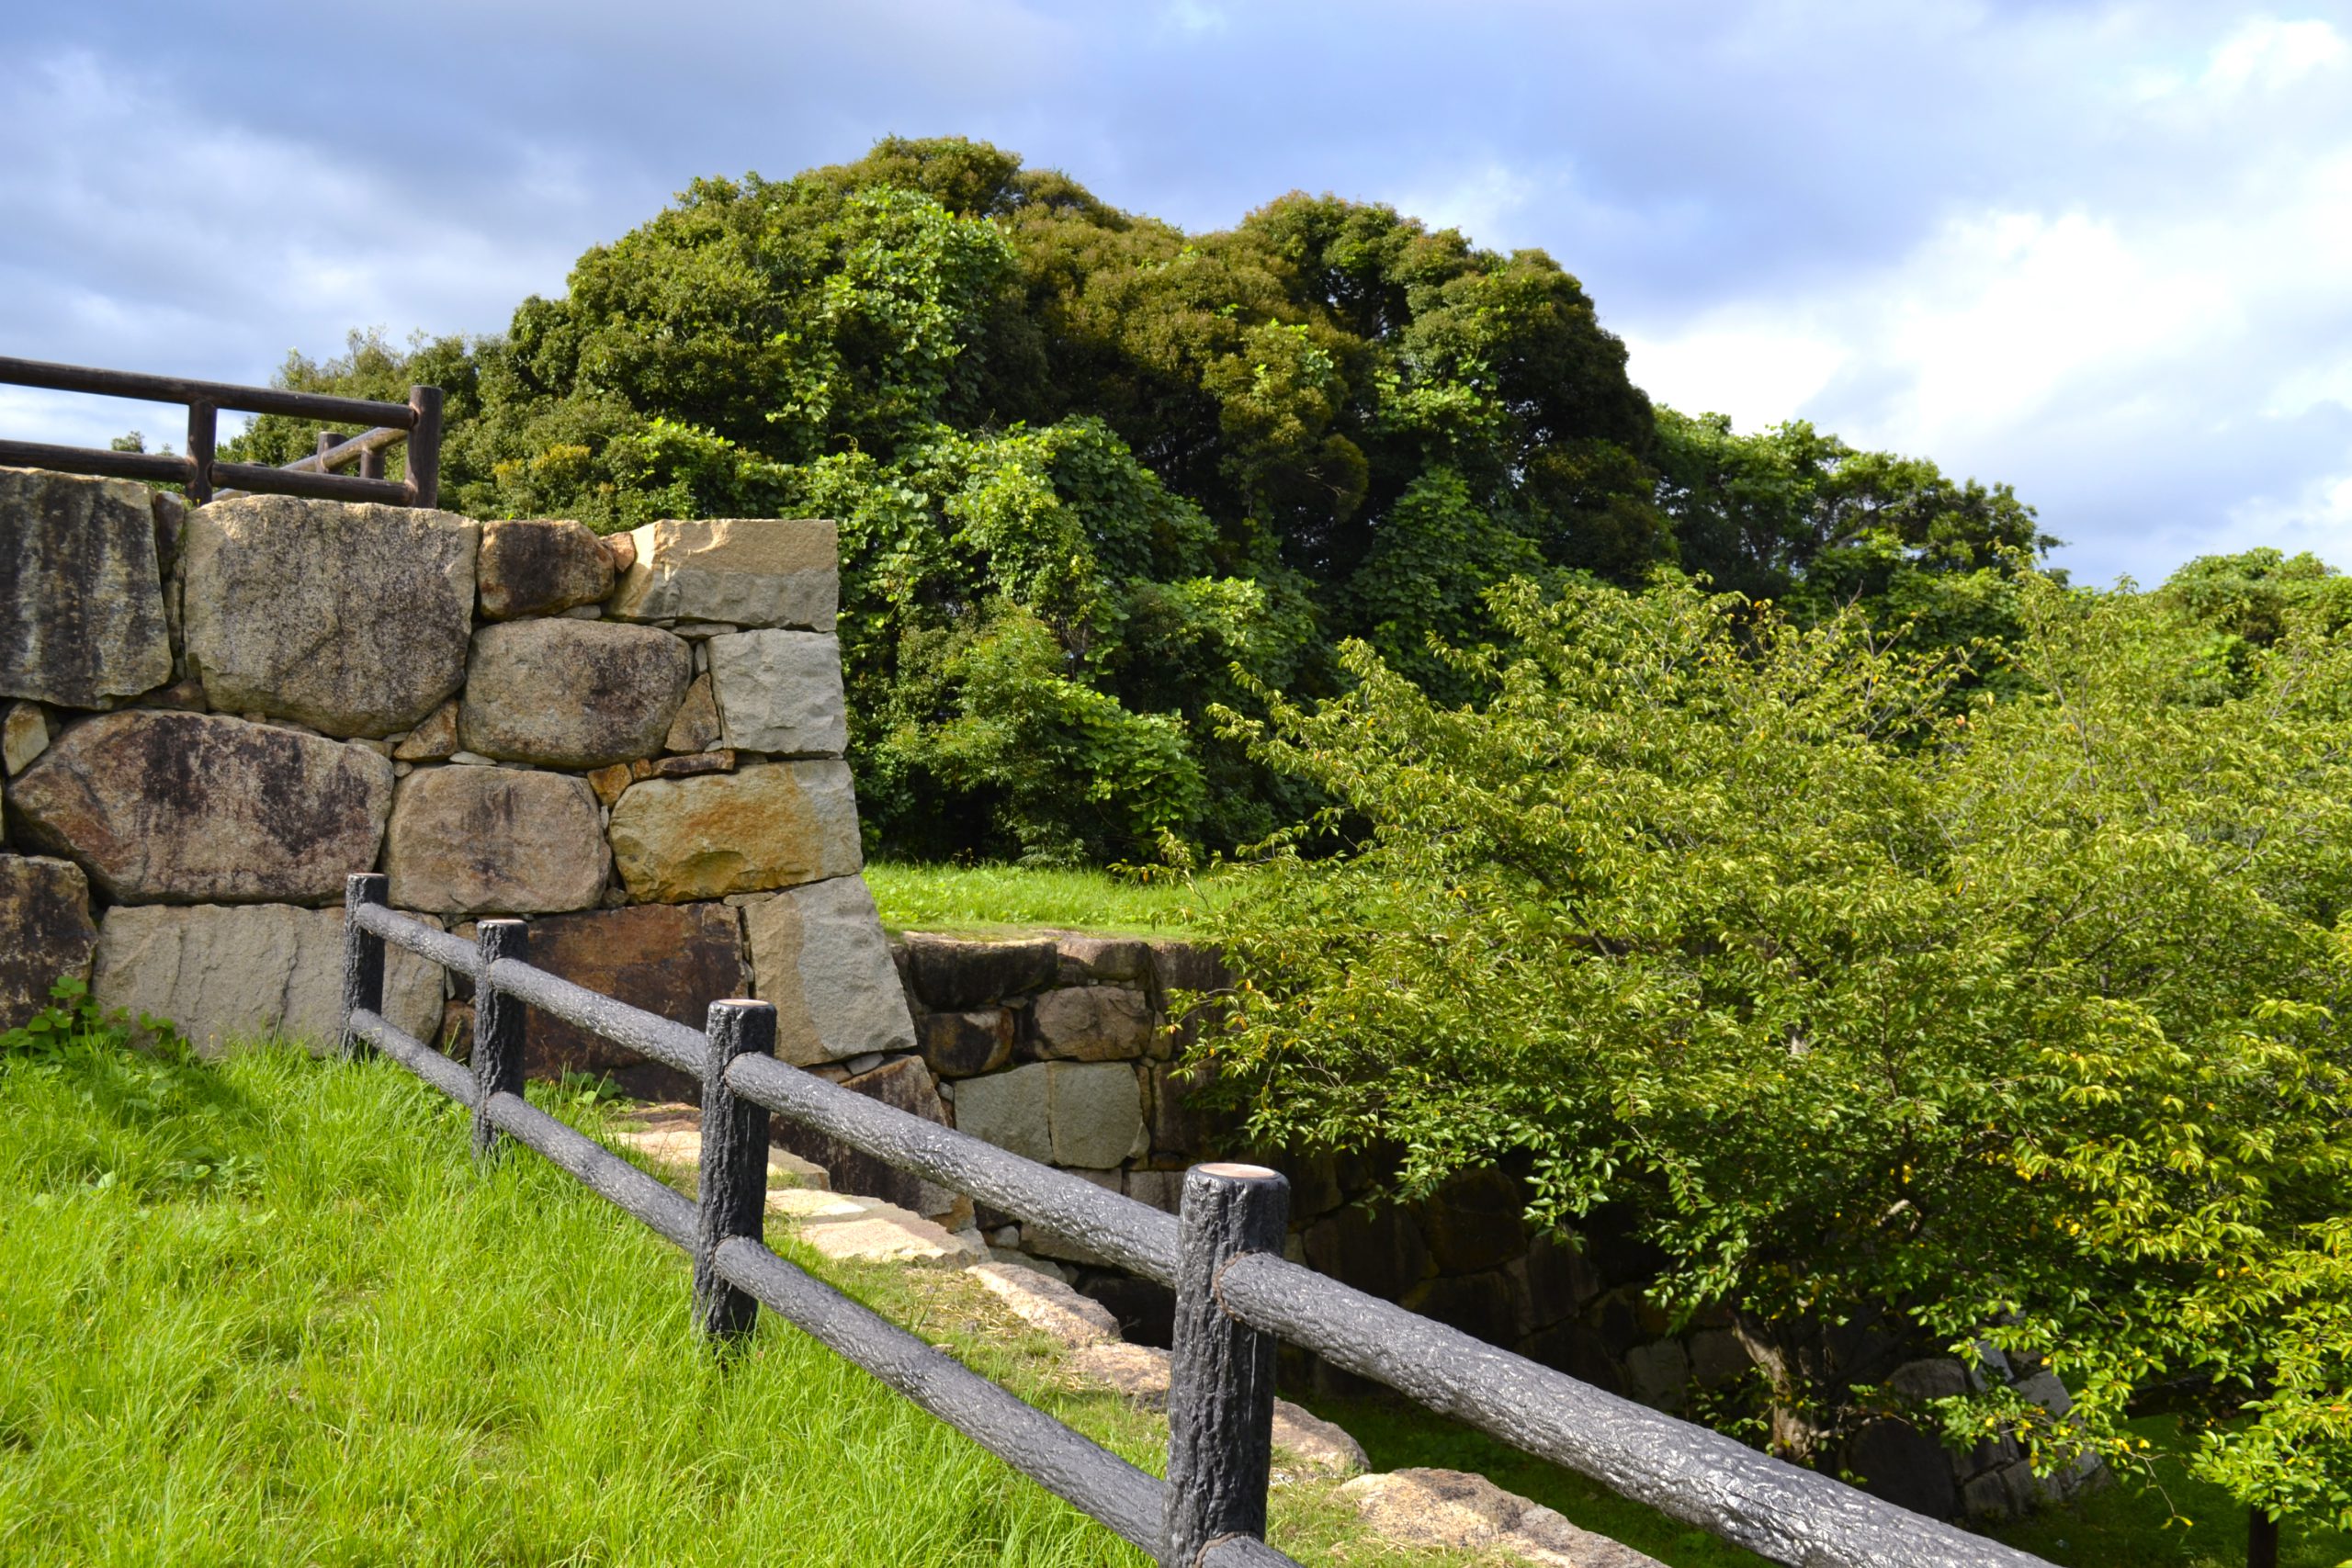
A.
x: 1234, y: 1293
x: 417, y: 423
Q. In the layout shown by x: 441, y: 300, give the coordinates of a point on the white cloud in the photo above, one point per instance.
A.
x: 2166, y: 371
x: 2266, y: 54
x: 1748, y: 364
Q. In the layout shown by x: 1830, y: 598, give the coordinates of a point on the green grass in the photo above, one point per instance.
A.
x: 2121, y: 1526
x: 988, y: 899
x: 269, y: 1311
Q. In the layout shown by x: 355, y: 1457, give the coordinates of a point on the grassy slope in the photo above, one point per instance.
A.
x: 271, y: 1313
x: 985, y: 900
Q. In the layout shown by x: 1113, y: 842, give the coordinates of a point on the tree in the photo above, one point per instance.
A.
x: 2010, y: 1021
x: 1168, y: 455
x: 1794, y: 513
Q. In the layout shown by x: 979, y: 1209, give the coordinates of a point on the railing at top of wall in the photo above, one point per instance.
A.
x: 416, y: 422
x: 1222, y: 1255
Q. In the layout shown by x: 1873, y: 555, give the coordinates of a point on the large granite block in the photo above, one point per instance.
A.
x: 350, y: 617
x: 750, y: 571
x: 46, y: 934
x: 671, y: 959
x: 483, y: 840
x: 780, y: 692
x: 569, y: 694
x: 540, y: 566
x: 83, y: 621
x: 186, y: 808
x: 226, y: 974
x: 774, y: 825
x: 818, y: 954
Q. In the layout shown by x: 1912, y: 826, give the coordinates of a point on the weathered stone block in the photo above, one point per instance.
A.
x: 1660, y: 1373
x: 82, y: 620
x: 1930, y: 1377
x: 818, y: 953
x: 224, y: 973
x: 671, y: 959
x: 903, y: 1083
x: 434, y: 741
x: 1012, y: 1110
x: 1904, y: 1465
x: 697, y: 727
x: 682, y: 767
x: 570, y: 693
x: 761, y: 571
x: 1164, y: 1189
x: 1097, y: 1109
x: 540, y: 566
x: 1091, y: 1023
x: 494, y: 841
x: 1717, y: 1356
x: 964, y: 1044
x: 350, y: 617
x: 1103, y: 960
x: 1473, y: 1221
x: 182, y: 807
x: 1179, y: 966
x: 46, y: 934
x: 954, y: 977
x: 24, y: 734
x: 1560, y: 1278
x: 772, y: 826
x: 780, y: 692
x: 1177, y: 1127
x: 1378, y: 1250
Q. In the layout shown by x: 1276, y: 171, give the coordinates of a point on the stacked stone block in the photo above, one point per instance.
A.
x: 213, y: 716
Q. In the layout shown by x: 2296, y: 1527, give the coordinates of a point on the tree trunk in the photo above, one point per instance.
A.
x: 2261, y: 1539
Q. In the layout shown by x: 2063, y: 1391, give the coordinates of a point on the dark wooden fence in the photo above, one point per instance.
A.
x: 1221, y: 1254
x: 417, y: 423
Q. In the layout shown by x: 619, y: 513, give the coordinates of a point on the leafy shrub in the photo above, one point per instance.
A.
x: 1883, y: 1005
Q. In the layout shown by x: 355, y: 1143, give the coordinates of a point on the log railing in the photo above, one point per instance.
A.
x: 1236, y: 1295
x: 417, y: 423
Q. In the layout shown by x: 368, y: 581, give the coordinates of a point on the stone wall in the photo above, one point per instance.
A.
x: 1060, y: 1047
x: 213, y: 716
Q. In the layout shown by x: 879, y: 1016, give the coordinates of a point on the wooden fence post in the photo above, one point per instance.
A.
x: 732, y: 1195
x: 363, y: 957
x: 1221, y: 1373
x: 425, y: 447
x: 498, y: 1030
x: 203, y: 425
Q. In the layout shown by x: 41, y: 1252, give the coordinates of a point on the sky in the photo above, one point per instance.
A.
x: 2102, y: 252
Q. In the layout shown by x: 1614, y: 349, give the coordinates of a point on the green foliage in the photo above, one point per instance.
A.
x: 1796, y: 515
x: 2003, y: 1020
x: 1089, y: 467
x: 2248, y: 601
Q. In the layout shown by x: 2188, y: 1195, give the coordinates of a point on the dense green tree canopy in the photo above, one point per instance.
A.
x: 2014, y: 1022
x: 1090, y: 464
